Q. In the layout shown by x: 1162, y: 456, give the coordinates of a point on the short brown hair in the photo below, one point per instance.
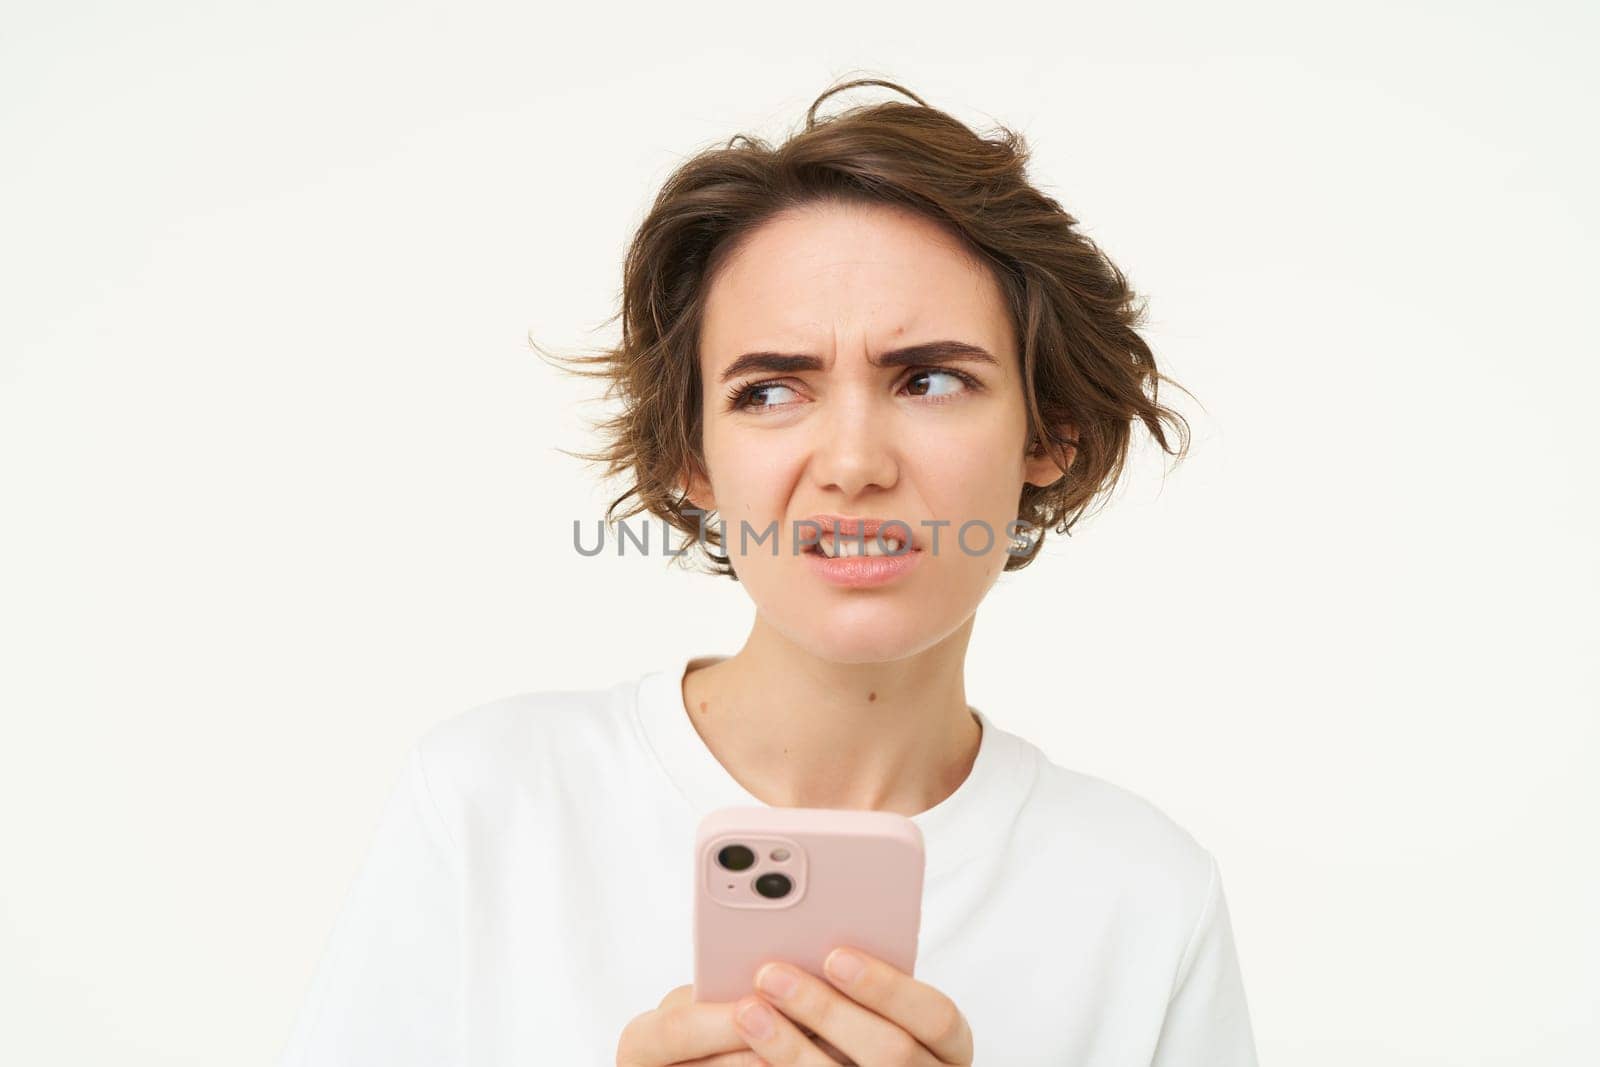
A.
x: 1083, y: 362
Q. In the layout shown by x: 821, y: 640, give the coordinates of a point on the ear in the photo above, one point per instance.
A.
x: 1040, y: 468
x: 697, y: 487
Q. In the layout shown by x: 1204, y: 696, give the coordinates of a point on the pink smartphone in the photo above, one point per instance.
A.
x: 792, y: 884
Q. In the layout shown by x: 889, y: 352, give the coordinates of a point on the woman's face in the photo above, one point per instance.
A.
x: 941, y: 439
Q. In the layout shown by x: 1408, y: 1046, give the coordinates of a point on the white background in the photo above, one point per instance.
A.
x: 281, y: 484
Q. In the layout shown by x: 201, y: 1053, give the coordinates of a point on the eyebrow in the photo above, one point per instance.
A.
x: 927, y: 353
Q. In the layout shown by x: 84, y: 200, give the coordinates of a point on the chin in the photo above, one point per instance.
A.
x: 857, y: 655
x: 863, y: 640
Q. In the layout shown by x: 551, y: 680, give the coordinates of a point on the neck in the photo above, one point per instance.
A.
x: 796, y: 730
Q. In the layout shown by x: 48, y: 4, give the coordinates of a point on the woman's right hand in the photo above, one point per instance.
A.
x: 682, y: 1033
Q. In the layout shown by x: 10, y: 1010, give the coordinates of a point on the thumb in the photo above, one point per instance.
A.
x: 683, y: 994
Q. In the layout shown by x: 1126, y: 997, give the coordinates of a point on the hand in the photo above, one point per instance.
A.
x: 682, y: 1033
x: 879, y: 1017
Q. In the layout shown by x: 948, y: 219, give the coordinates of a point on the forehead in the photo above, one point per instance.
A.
x: 847, y: 271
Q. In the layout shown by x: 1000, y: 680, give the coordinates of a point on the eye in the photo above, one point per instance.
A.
x: 741, y: 397
x: 744, y: 397
x: 967, y: 380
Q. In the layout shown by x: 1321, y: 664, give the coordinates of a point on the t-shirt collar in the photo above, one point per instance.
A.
x: 974, y: 818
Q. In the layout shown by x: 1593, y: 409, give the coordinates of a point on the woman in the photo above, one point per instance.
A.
x: 878, y: 328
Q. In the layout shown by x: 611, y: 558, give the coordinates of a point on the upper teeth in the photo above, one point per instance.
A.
x: 862, y: 545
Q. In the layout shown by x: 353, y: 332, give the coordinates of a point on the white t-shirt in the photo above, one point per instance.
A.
x: 529, y: 892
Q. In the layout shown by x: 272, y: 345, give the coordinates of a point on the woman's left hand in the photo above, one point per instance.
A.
x: 881, y: 1017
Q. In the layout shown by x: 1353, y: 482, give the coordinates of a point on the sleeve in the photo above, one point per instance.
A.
x: 1208, y: 1020
x: 386, y: 992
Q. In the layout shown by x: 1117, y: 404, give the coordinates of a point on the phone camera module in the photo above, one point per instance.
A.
x: 736, y: 857
x: 773, y: 885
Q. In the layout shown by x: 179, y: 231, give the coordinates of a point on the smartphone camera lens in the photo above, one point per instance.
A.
x: 736, y: 857
x: 773, y: 885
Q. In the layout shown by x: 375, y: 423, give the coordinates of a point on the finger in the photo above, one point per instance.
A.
x: 915, y: 1007
x: 683, y: 994
x: 825, y: 1045
x: 862, y: 1035
x: 775, y: 1037
x: 680, y: 1032
x: 745, y: 1057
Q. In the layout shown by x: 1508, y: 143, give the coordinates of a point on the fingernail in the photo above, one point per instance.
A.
x: 844, y: 965
x: 775, y: 980
x: 756, y: 1019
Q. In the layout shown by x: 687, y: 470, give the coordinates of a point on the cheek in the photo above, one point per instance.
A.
x: 971, y: 475
x: 750, y: 473
x: 960, y: 470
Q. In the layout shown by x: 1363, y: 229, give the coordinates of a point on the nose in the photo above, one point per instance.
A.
x: 856, y: 448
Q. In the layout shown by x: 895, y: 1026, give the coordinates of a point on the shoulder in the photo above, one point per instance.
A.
x: 525, y: 740
x: 1119, y: 841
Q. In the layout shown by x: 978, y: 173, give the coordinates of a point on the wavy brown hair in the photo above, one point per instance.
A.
x: 1084, y: 364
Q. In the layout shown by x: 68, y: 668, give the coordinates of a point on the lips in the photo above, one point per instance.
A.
x: 852, y: 571
x: 864, y: 527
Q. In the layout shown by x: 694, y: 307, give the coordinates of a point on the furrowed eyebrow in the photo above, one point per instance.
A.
x: 929, y: 352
